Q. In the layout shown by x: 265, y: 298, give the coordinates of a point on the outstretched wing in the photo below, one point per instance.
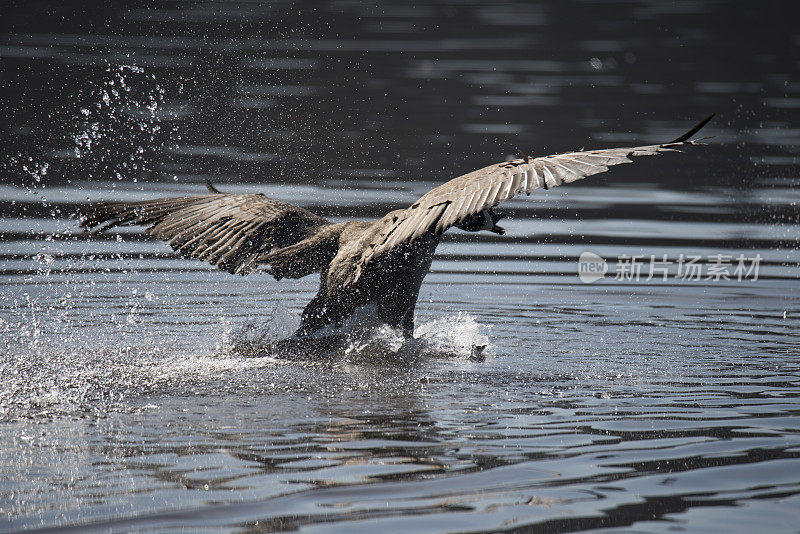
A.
x: 233, y: 232
x: 450, y: 203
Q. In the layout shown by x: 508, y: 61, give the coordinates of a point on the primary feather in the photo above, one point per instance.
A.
x: 229, y: 231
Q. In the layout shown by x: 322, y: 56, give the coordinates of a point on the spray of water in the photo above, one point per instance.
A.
x: 120, y: 125
x: 456, y: 336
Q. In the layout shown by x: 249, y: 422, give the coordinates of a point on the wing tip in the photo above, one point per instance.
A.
x: 94, y: 218
x: 211, y: 188
x: 697, y: 127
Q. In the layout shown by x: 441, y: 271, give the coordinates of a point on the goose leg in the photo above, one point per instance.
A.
x: 396, y: 309
x: 314, y: 316
x: 408, y: 322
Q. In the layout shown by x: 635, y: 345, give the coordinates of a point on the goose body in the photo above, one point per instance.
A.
x: 360, y: 263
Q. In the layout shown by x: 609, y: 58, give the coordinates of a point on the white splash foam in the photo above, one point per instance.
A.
x: 361, y: 336
x: 458, y: 335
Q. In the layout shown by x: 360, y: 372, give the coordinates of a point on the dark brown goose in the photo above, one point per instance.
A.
x: 381, y: 262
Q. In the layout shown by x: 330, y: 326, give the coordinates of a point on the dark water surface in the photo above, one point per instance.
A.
x: 130, y: 398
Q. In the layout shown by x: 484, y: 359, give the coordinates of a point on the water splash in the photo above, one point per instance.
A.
x: 459, y: 336
x: 250, y: 338
x: 113, y: 130
x: 260, y: 343
x: 119, y: 126
x: 58, y: 363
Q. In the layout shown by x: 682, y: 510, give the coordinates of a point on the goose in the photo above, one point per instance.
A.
x: 359, y: 263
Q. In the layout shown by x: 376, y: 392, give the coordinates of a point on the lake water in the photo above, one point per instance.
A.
x: 132, y: 392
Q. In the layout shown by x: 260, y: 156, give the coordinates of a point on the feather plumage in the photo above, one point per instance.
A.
x: 233, y: 232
